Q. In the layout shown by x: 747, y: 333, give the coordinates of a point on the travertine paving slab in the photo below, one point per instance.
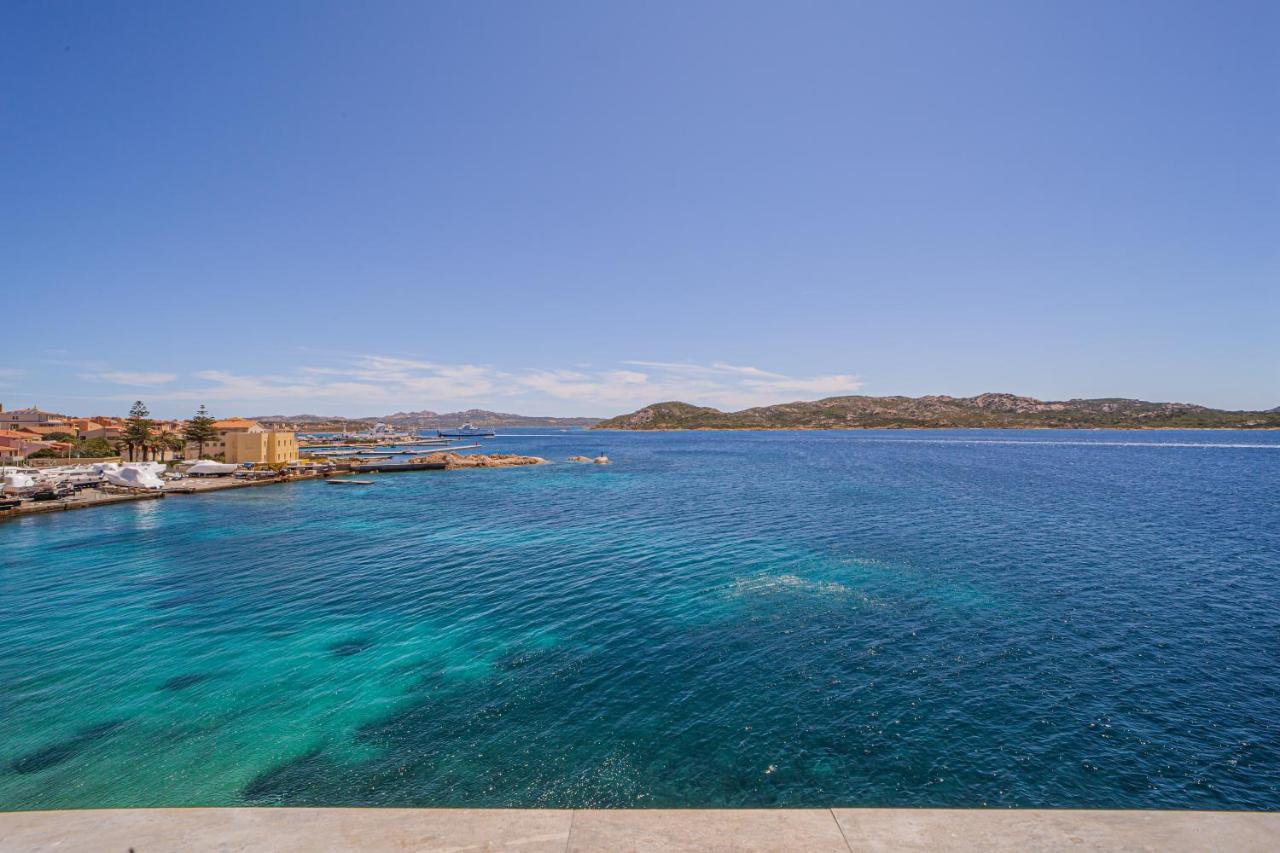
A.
x: 284, y: 830
x: 235, y: 830
x: 667, y: 831
x: 934, y: 830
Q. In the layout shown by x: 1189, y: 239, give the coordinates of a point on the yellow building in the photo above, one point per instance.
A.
x: 266, y: 447
x: 218, y: 446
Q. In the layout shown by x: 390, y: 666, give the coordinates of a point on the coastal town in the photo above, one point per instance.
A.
x: 42, y: 438
x: 51, y: 461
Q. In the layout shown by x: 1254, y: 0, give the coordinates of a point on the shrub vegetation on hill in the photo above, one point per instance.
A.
x: 939, y: 412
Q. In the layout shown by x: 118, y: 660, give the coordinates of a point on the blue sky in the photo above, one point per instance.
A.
x: 579, y: 208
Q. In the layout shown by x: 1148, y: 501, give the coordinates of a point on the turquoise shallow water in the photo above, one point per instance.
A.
x: 856, y: 618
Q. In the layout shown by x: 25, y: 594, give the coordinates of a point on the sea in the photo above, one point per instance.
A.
x: 845, y: 618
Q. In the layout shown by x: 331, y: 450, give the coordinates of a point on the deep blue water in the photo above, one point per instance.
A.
x: 817, y: 618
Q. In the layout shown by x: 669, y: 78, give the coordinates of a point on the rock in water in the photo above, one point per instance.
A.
x: 453, y: 461
x: 579, y: 459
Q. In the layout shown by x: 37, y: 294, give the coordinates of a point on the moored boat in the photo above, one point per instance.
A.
x: 20, y: 484
x: 133, y: 475
x: 207, y: 468
x: 465, y: 431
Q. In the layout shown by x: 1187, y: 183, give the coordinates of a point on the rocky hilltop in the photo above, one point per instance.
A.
x: 984, y: 411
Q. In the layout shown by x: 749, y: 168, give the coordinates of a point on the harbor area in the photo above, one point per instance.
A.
x: 59, y: 463
x: 83, y: 499
x: 32, y: 492
x: 107, y: 495
x: 838, y: 830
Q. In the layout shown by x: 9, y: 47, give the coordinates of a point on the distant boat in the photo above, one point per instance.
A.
x: 465, y: 431
x: 350, y: 482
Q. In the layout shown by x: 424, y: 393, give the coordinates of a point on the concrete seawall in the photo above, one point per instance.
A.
x: 559, y: 831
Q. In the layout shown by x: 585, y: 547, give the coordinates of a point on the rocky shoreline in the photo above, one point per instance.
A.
x: 455, y: 461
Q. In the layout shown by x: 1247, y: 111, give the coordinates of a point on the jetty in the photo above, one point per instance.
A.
x: 83, y: 499
x: 105, y: 494
x: 364, y: 446
x: 436, y: 461
x: 200, y: 485
x: 384, y: 467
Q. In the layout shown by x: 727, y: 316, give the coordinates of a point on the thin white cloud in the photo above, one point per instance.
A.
x: 224, y: 385
x: 716, y: 367
x: 746, y: 371
x: 716, y: 384
x: 126, y: 377
x: 374, y: 383
x: 610, y: 387
x: 823, y: 385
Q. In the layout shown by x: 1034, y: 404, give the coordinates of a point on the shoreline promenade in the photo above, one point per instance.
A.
x: 563, y: 830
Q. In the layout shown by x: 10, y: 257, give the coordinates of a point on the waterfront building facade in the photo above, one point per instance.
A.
x: 263, y: 447
x: 218, y: 446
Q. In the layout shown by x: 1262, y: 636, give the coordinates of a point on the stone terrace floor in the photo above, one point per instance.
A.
x: 534, y: 830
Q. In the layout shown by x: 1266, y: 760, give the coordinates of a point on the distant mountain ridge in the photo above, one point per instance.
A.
x: 479, y: 418
x: 427, y: 419
x: 992, y: 410
x: 303, y: 419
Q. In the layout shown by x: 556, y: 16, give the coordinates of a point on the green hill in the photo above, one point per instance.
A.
x: 985, y: 411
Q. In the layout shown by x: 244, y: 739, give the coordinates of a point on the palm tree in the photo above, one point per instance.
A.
x: 161, y: 442
x: 173, y: 442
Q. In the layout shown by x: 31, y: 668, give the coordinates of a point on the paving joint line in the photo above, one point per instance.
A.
x: 568, y: 839
x: 832, y: 812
